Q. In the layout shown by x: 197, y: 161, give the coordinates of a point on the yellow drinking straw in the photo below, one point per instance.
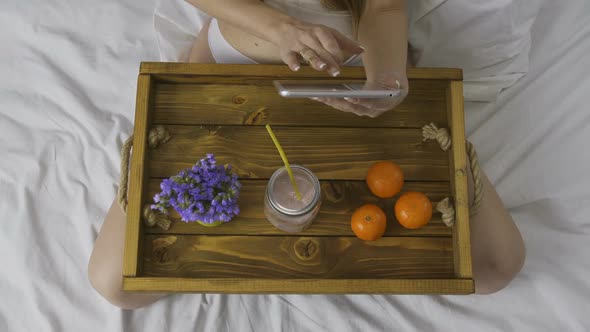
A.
x: 285, y: 161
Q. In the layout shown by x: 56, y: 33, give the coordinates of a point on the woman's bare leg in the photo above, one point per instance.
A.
x: 201, y: 53
x: 497, y: 248
x: 105, y: 268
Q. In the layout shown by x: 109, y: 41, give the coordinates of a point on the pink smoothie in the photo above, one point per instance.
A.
x: 288, y: 213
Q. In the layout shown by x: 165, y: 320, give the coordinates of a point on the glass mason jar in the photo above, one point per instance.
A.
x: 281, y: 206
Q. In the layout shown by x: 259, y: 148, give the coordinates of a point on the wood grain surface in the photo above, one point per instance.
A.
x: 299, y: 286
x: 461, y: 234
x: 223, y: 101
x: 331, y: 153
x: 222, y: 109
x: 137, y: 177
x: 281, y: 71
x: 339, y: 200
x: 202, y: 256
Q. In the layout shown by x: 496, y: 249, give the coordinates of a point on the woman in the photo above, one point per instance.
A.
x: 324, y: 34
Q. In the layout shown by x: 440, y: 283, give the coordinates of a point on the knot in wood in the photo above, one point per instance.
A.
x: 333, y: 191
x: 306, y: 248
x: 160, y: 248
x: 257, y: 117
x: 158, y: 135
x: 238, y: 100
x: 212, y: 129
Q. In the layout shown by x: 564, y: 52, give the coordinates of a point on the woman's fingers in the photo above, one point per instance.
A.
x: 311, y: 42
x: 345, y: 106
x: 352, y: 100
x: 364, y: 108
x: 330, y: 43
x: 332, y: 60
x: 290, y: 58
x: 309, y: 55
x: 335, y: 105
x: 322, y: 47
x: 363, y: 102
x: 376, y: 105
x: 346, y: 44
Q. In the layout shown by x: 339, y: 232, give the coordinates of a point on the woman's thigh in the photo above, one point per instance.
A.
x: 200, y: 52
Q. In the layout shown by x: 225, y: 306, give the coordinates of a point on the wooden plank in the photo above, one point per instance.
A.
x: 284, y: 257
x: 300, y: 286
x: 239, y: 101
x: 282, y: 71
x: 331, y: 153
x: 137, y: 177
x: 339, y: 200
x: 240, y: 87
x: 461, y: 237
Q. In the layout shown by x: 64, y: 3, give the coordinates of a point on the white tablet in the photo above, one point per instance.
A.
x: 310, y: 89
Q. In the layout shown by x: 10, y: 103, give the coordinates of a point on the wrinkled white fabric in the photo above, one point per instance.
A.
x: 67, y: 96
x: 489, y: 40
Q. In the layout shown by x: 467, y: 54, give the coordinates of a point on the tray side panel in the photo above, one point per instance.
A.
x: 282, y: 71
x: 461, y: 236
x: 222, y: 109
x: 300, y: 286
x: 137, y: 177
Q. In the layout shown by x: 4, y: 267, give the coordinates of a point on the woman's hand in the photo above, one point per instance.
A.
x: 323, y: 47
x: 372, y: 107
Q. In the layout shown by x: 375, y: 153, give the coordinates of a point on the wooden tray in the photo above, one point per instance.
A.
x: 222, y: 109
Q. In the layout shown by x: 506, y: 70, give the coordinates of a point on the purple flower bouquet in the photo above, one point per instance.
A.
x: 206, y: 193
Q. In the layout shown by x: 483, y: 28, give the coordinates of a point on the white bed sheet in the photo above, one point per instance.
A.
x: 66, y: 103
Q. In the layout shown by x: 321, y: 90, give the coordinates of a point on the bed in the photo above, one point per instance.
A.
x: 66, y: 104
